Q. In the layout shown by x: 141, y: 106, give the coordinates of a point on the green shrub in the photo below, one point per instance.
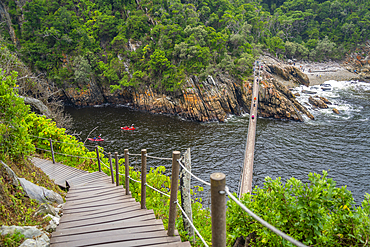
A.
x: 12, y: 240
x: 316, y: 213
x: 14, y: 139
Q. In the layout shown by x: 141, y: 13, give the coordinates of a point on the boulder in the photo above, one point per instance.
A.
x: 335, y: 111
x: 325, y: 100
x: 32, y: 190
x: 45, y: 208
x: 40, y: 193
x: 42, y: 241
x: 27, y: 231
x: 317, y: 103
x: 53, y: 223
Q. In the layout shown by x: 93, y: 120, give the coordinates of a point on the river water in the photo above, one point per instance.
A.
x: 339, y: 144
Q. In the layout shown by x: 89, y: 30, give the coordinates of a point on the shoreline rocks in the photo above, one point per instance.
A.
x: 212, y: 99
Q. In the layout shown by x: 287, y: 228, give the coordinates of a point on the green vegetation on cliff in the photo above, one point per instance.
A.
x: 122, y: 43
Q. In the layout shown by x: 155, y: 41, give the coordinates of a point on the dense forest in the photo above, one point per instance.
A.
x: 124, y: 43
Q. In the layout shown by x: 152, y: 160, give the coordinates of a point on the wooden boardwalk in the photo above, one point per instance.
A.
x: 98, y: 213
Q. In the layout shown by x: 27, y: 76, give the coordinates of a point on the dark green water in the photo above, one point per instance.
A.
x: 339, y: 144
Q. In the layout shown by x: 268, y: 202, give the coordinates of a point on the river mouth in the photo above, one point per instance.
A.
x: 339, y: 144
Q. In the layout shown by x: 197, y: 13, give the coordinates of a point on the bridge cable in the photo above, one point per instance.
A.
x: 66, y: 154
x: 199, y: 179
x: 158, y: 158
x: 191, y: 223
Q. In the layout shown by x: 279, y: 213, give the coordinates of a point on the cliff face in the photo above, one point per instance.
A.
x: 289, y: 73
x: 213, y: 99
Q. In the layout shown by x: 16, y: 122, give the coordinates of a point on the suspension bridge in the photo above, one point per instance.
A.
x: 247, y: 172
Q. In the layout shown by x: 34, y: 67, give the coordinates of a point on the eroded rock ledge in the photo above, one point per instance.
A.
x: 213, y: 99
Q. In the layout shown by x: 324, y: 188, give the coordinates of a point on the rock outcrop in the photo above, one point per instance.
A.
x: 289, y: 73
x: 325, y: 100
x: 87, y: 95
x: 316, y: 102
x: 335, y: 110
x: 278, y: 102
x: 212, y: 99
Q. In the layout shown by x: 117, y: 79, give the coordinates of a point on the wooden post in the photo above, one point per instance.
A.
x: 117, y: 168
x: 218, y: 209
x: 127, y: 170
x: 97, y: 156
x: 111, y: 167
x: 143, y: 178
x: 173, y: 198
x: 52, y: 150
x: 185, y: 179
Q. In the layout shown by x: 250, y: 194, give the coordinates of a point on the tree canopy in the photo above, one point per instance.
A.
x: 131, y: 43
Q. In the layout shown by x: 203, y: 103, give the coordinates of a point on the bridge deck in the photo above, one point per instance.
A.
x: 99, y: 213
x: 247, y: 173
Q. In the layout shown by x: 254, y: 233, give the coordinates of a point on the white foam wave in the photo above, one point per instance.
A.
x: 333, y: 91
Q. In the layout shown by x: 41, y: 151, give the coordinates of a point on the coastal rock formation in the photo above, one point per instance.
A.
x: 212, y: 99
x: 289, y: 73
x: 317, y: 103
x: 325, y: 100
x: 87, y: 95
x: 278, y: 102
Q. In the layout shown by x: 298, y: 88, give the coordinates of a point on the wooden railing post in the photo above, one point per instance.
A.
x: 173, y: 198
x: 117, y: 168
x: 52, y: 150
x: 143, y: 178
x: 97, y: 156
x: 127, y: 170
x: 218, y: 209
x: 185, y: 179
x: 111, y: 167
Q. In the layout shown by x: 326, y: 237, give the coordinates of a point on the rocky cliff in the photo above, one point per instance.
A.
x: 212, y: 99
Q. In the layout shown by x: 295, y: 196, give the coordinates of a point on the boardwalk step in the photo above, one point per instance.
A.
x: 57, y: 172
x: 98, y: 213
x: 181, y: 244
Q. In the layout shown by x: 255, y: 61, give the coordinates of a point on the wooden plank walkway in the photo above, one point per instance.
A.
x: 247, y: 173
x: 98, y: 213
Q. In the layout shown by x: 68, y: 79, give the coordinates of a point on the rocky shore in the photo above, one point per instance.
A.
x: 215, y: 98
x: 319, y: 73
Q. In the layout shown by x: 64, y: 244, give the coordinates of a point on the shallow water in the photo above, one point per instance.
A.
x: 339, y: 144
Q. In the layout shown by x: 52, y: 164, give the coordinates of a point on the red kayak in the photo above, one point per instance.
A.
x: 128, y: 128
x: 96, y: 139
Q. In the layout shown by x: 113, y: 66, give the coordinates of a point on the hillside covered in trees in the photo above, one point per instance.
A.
x: 122, y: 43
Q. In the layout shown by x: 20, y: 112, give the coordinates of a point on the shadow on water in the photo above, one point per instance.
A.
x: 340, y: 145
